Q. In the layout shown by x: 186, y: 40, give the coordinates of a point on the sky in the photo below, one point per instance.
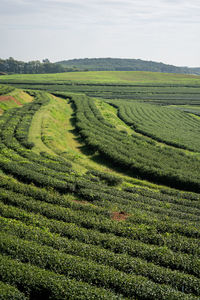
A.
x: 158, y: 30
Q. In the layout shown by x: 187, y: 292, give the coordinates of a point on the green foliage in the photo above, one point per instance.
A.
x: 137, y: 153
x: 107, y: 178
x: 5, y: 89
x: 82, y: 269
x: 121, y: 64
x: 38, y: 283
x: 121, y: 262
x: 13, y: 66
x: 164, y: 124
x: 9, y: 292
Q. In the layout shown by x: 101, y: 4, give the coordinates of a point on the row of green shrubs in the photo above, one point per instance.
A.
x: 9, y: 292
x: 128, y: 248
x: 162, y: 165
x: 89, y: 219
x: 174, y: 241
x: 149, y: 120
x: 61, y: 177
x: 93, y: 191
x: 122, y: 262
x: 5, y: 89
x: 160, y: 255
x: 37, y: 283
x: 51, y: 196
x: 87, y: 271
x: 167, y: 195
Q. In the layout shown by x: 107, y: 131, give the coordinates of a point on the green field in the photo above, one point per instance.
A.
x: 126, y: 77
x: 100, y: 186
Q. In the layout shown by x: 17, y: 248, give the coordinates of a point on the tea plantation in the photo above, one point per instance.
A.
x: 100, y: 188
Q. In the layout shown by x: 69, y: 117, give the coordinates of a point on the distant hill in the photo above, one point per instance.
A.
x: 121, y: 64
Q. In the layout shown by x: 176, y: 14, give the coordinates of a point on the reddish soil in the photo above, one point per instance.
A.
x: 119, y: 216
x: 9, y: 98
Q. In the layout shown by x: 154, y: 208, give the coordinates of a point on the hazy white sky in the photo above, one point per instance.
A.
x: 158, y: 30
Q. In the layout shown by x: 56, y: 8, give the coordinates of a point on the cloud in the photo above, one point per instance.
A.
x: 123, y: 27
x: 107, y: 12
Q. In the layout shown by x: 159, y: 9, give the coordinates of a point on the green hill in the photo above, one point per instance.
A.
x: 121, y: 64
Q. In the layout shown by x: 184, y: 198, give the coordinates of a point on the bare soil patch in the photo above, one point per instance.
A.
x: 119, y: 216
x: 9, y: 98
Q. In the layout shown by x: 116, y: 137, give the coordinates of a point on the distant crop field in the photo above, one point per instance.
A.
x: 164, y: 89
x: 131, y: 77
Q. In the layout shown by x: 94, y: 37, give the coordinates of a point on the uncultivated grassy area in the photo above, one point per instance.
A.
x: 35, y: 134
x: 110, y: 114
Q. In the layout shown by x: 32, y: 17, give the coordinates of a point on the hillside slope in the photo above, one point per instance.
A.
x: 71, y: 227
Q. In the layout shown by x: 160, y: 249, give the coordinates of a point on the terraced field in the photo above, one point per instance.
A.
x: 78, y: 218
x: 164, y: 124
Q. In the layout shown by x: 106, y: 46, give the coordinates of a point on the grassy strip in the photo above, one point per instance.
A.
x: 108, y: 77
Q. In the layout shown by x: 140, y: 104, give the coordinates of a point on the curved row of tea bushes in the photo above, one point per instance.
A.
x: 10, y: 292
x: 92, y: 192
x: 122, y: 262
x: 89, y: 219
x: 164, y: 94
x: 165, y: 227
x: 163, y: 124
x: 6, y: 183
x: 88, y: 271
x: 110, y: 179
x: 171, y: 196
x: 164, y: 165
x: 160, y: 255
x: 150, y: 255
x: 38, y: 283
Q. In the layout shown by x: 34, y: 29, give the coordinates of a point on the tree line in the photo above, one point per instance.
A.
x: 12, y: 66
